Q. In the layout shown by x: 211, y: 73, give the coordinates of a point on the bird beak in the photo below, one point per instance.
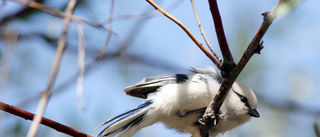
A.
x: 254, y: 113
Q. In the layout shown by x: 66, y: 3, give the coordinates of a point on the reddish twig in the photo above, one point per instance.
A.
x: 194, y: 39
x: 228, y: 63
x: 45, y: 121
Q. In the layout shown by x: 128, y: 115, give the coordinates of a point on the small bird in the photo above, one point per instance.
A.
x: 179, y: 100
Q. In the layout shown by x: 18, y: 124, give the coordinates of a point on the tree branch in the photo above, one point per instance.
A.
x: 45, y: 121
x: 52, y: 11
x: 211, y: 116
x: 228, y: 63
x: 55, y: 68
x: 81, y: 65
x: 185, y: 29
x: 25, y: 11
x: 204, y: 35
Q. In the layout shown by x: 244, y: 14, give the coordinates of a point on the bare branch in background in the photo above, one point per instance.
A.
x: 144, y: 15
x: 132, y: 58
x: 56, y: 65
x: 58, y: 13
x: 81, y: 65
x: 8, y: 52
x: 21, y: 13
x: 103, y: 50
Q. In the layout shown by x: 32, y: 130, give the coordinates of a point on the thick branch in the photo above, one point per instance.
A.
x: 52, y: 124
x: 211, y: 116
x: 227, y: 56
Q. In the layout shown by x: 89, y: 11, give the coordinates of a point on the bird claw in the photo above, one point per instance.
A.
x: 201, y: 122
x: 210, y: 118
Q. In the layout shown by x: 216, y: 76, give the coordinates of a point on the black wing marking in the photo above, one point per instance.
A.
x: 151, y: 84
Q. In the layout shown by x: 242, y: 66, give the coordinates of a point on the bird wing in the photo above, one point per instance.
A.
x: 151, y: 84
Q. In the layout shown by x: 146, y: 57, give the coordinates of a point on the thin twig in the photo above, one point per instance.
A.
x: 7, y: 56
x: 185, y: 29
x: 60, y: 14
x: 81, y: 65
x: 144, y: 15
x: 204, y: 35
x: 47, y: 122
x: 103, y: 50
x: 20, y: 13
x: 45, y: 95
x: 228, y: 63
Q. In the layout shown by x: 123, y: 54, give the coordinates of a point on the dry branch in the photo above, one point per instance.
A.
x: 45, y: 121
x: 109, y: 20
x: 7, y: 56
x: 52, y: 11
x: 228, y: 63
x: 56, y: 65
x: 81, y: 65
x: 143, y: 15
x: 211, y: 115
x: 185, y: 29
x: 204, y: 35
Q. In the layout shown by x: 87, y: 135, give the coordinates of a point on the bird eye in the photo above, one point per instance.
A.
x: 243, y: 99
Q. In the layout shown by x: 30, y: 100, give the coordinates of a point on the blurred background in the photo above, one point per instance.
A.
x: 285, y: 76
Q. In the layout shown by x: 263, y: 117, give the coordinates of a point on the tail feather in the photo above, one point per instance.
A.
x: 131, y: 128
x: 126, y: 122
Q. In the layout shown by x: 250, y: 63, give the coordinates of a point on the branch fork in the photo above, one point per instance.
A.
x: 210, y: 115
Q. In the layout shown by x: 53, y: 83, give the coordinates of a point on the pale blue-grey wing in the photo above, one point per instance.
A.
x: 209, y: 71
x: 151, y: 84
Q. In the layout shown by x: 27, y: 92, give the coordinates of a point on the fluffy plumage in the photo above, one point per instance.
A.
x: 179, y: 100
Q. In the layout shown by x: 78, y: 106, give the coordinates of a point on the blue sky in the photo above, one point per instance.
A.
x: 286, y: 71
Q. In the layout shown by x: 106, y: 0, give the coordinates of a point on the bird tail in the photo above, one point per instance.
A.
x: 128, y: 123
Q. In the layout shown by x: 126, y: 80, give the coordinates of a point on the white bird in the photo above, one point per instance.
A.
x: 179, y: 100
